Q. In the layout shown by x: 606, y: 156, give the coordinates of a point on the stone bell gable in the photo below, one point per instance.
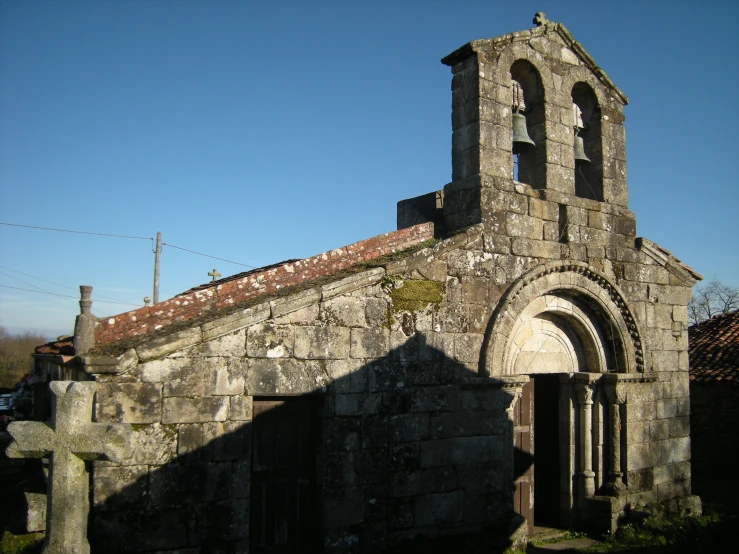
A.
x: 548, y: 75
x: 512, y: 355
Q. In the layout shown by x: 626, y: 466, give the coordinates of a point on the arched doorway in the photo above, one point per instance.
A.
x: 563, y: 326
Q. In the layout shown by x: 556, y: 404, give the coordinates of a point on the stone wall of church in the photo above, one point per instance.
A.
x: 412, y: 442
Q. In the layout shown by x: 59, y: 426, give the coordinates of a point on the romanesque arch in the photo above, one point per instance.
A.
x: 566, y: 316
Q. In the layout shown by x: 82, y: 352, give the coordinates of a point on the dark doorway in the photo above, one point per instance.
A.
x: 546, y: 450
x: 283, y: 511
x: 523, y: 455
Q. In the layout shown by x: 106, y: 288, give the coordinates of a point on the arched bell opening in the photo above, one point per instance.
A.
x: 529, y: 135
x: 587, y: 145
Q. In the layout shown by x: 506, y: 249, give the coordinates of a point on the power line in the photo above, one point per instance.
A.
x: 208, y: 256
x: 127, y: 237
x: 22, y: 281
x: 68, y: 296
x: 77, y: 232
x: 39, y: 278
x: 97, y: 296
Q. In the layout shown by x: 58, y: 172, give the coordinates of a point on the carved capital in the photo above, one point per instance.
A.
x: 585, y: 386
x: 584, y: 392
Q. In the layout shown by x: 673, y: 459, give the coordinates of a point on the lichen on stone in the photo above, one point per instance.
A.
x: 415, y: 294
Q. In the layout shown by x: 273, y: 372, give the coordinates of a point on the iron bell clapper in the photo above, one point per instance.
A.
x: 580, y: 149
x: 521, y: 139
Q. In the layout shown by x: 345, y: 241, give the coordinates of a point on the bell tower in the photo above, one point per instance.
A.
x: 534, y: 118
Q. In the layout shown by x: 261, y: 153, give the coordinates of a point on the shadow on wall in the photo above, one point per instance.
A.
x: 395, y: 456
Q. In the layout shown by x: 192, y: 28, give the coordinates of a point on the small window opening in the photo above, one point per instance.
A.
x: 529, y: 136
x: 587, y: 147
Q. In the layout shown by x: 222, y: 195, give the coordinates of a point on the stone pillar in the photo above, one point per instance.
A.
x: 616, y: 396
x: 512, y: 386
x: 84, y: 325
x: 584, y: 386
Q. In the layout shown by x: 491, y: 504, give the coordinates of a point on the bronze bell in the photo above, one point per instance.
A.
x: 580, y: 149
x: 521, y: 139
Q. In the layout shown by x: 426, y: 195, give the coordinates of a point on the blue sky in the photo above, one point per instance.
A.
x: 258, y: 131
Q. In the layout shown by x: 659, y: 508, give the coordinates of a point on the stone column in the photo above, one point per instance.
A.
x: 513, y: 387
x: 84, y: 325
x: 616, y: 396
x: 584, y: 386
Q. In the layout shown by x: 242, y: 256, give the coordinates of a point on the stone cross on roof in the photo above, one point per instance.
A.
x: 69, y: 439
x: 214, y: 274
x: 540, y: 19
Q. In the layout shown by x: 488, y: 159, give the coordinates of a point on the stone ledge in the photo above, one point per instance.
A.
x: 236, y: 321
x: 161, y: 346
x: 352, y: 283
x: 109, y: 365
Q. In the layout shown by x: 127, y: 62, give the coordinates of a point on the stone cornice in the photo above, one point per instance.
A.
x: 489, y: 44
x: 668, y: 261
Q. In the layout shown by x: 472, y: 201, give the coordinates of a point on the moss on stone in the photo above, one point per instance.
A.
x: 415, y: 295
x: 169, y: 429
x: 21, y: 544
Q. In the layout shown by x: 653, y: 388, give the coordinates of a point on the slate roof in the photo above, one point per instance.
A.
x: 714, y: 349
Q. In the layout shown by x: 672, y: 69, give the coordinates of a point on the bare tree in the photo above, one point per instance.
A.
x: 712, y: 299
x: 15, y: 355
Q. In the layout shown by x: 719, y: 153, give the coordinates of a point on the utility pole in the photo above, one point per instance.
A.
x: 157, y: 253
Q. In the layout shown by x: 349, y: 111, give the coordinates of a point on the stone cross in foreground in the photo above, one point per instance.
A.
x: 68, y: 439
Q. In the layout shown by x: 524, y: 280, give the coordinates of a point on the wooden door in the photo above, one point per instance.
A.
x: 283, y: 476
x: 523, y: 454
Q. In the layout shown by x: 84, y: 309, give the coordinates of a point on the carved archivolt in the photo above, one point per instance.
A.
x: 573, y: 292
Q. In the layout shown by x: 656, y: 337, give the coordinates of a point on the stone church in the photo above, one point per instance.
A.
x: 512, y: 355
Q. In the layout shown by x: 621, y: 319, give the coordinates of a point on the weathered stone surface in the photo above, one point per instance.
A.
x: 344, y: 507
x: 370, y: 343
x: 353, y: 282
x: 224, y: 376
x: 195, y: 410
x: 154, y: 444
x: 190, y: 483
x: 241, y: 408
x: 129, y: 402
x: 294, y: 302
x: 344, y: 311
x: 158, y: 347
x: 232, y: 344
x: 438, y: 509
x: 288, y: 376
x: 317, y: 343
x: 235, y: 321
x: 35, y: 512
x: 120, y: 487
x: 71, y: 438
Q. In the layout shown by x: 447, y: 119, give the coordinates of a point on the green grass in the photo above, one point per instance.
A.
x: 713, y: 532
x: 21, y: 544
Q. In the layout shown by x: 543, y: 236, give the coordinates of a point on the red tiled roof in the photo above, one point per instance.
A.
x: 229, y: 292
x: 63, y: 346
x: 714, y: 349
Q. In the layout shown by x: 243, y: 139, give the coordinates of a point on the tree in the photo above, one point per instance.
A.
x: 15, y: 355
x: 714, y: 298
